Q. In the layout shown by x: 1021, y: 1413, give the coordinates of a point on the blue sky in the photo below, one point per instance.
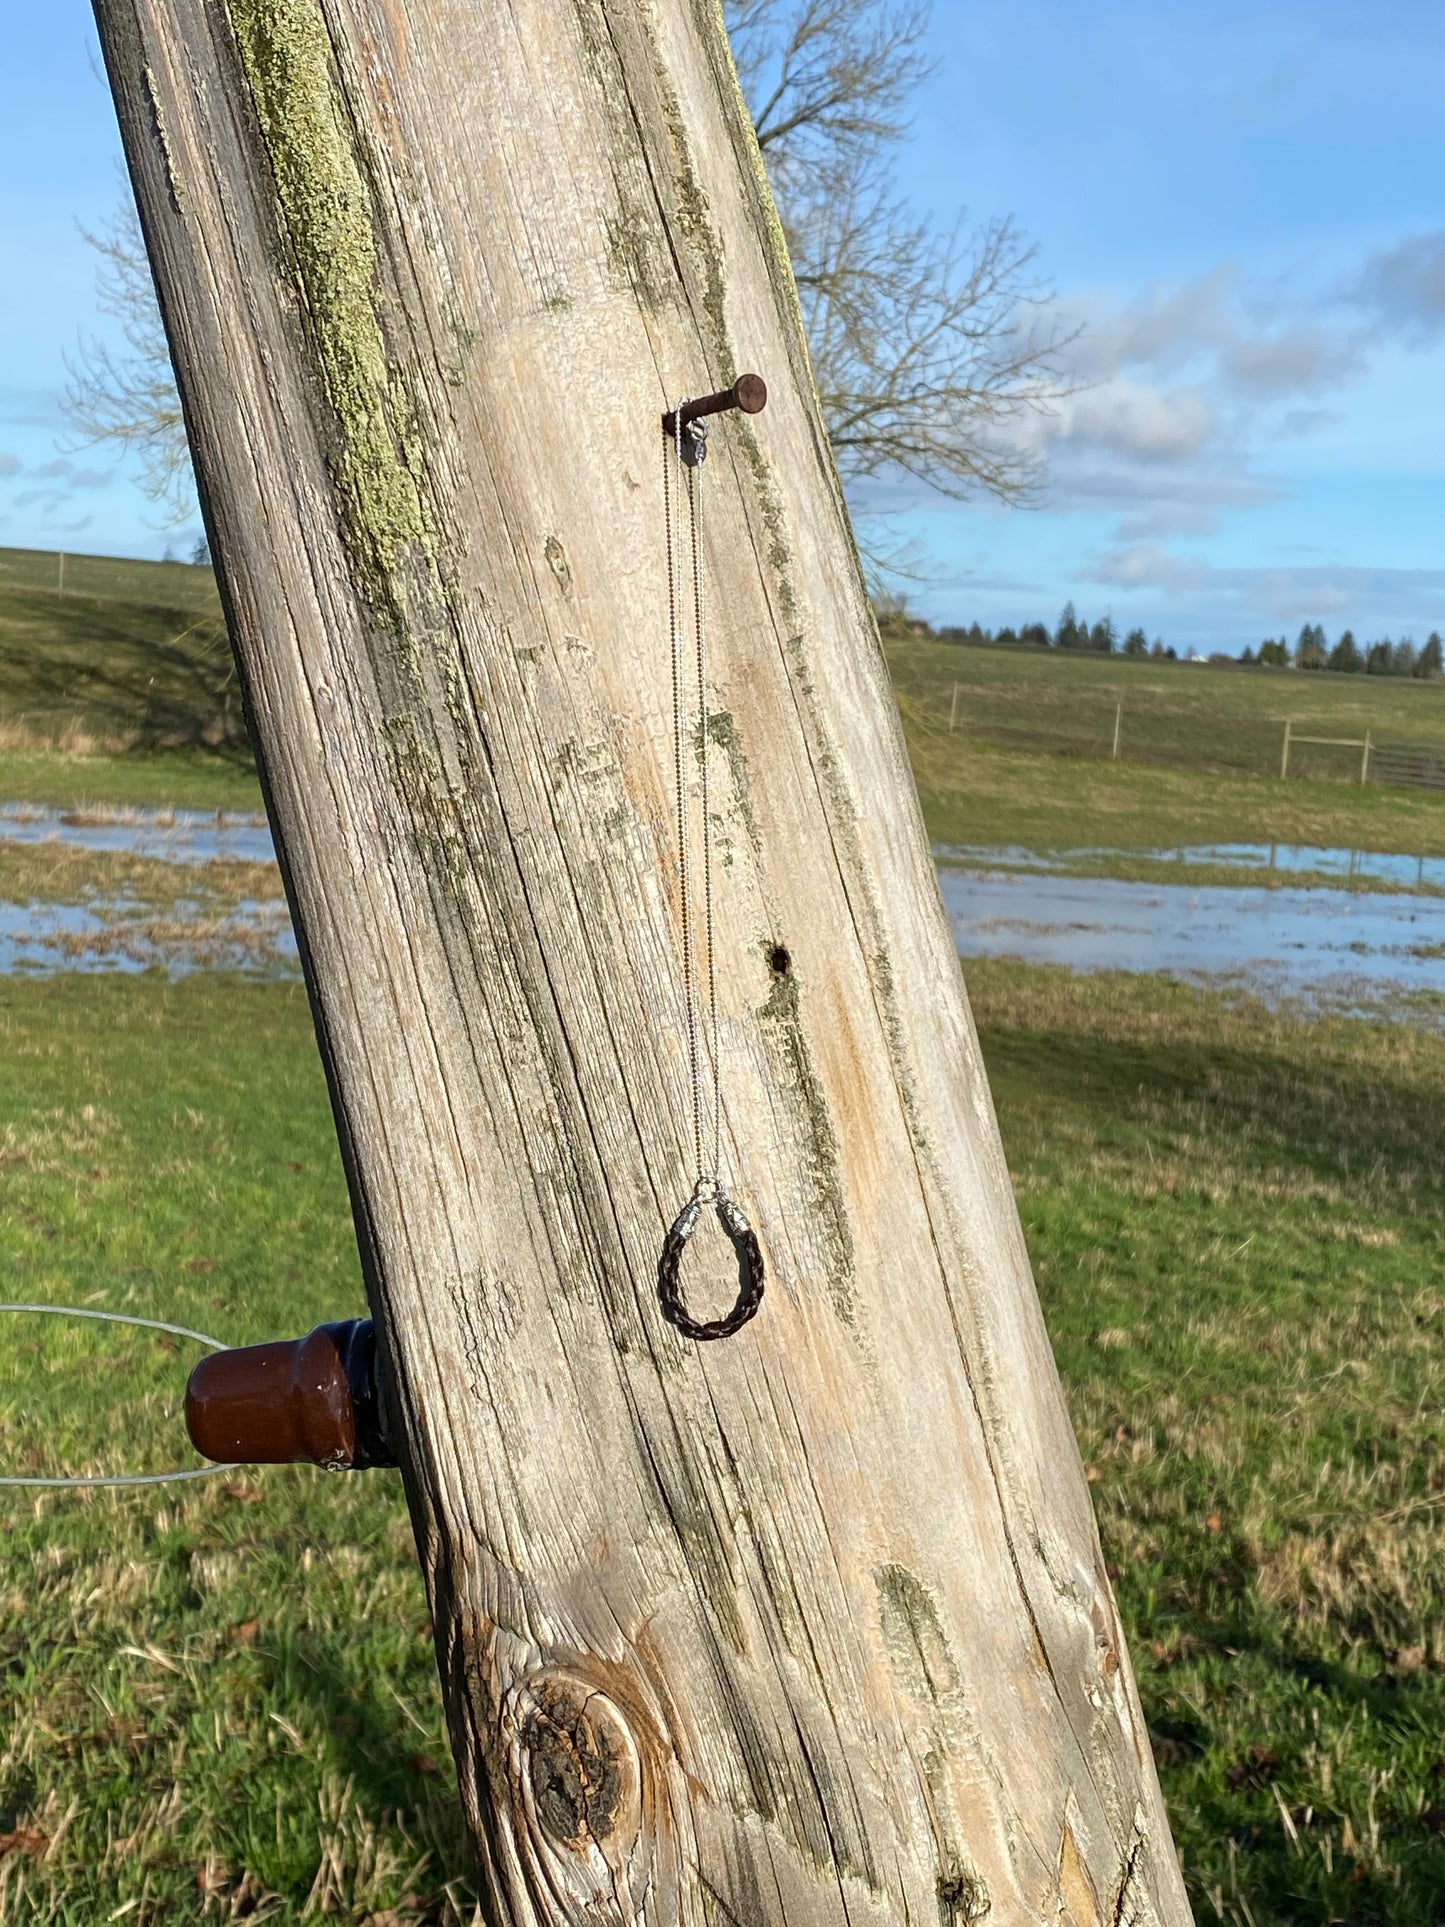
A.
x: 1240, y: 205
x: 59, y: 172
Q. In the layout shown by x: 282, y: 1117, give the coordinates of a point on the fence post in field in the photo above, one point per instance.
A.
x: 953, y: 710
x: 60, y: 573
x: 1365, y: 760
x: 1118, y: 724
x: 1284, y: 758
x: 808, y: 1625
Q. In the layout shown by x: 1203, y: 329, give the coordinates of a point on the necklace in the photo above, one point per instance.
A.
x: 683, y: 456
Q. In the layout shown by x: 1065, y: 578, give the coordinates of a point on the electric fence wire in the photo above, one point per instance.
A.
x: 124, y: 1478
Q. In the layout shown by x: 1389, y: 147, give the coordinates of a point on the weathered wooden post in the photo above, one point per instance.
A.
x: 808, y: 1625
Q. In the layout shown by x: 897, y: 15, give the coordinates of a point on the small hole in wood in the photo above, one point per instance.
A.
x: 779, y: 962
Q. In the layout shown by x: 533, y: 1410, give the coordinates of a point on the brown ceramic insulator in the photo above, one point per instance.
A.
x: 748, y: 393
x: 311, y: 1399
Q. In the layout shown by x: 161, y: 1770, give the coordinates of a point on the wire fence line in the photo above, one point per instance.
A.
x: 1171, y: 738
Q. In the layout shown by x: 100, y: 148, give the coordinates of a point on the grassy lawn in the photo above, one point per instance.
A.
x: 973, y: 793
x: 226, y: 1688
x: 123, y: 693
x: 1173, y: 712
x: 1236, y: 1223
x: 168, y: 779
x: 1188, y: 723
x: 121, y: 690
x: 110, y: 578
x: 217, y: 1697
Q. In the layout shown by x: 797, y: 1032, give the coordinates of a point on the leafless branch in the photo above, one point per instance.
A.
x: 824, y: 77
x: 929, y: 346
x: 129, y: 399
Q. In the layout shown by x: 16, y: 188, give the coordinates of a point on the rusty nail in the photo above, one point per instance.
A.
x: 748, y: 392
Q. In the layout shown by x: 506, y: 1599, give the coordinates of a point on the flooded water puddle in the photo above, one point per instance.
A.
x: 174, y: 836
x: 1393, y: 869
x: 38, y: 939
x: 1339, y: 947
x: 1345, y: 946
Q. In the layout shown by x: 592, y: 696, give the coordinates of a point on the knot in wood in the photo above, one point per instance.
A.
x: 580, y: 1765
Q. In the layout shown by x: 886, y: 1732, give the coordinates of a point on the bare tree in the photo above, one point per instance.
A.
x: 928, y: 346
x: 129, y: 399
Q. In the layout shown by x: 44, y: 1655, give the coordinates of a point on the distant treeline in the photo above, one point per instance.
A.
x: 1312, y: 649
x: 1068, y: 633
x: 1384, y: 658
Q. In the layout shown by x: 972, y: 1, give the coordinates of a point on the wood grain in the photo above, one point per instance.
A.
x: 810, y: 1625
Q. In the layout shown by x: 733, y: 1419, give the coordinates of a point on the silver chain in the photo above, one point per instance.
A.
x: 708, y: 1168
x: 708, y: 1185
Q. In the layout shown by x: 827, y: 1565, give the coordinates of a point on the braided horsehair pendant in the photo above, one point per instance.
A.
x: 744, y: 1242
x: 686, y: 447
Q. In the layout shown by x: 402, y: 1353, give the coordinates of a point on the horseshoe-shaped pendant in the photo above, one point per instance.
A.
x: 744, y: 1242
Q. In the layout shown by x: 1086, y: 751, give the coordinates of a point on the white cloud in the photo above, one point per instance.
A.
x: 32, y: 407
x: 60, y: 480
x: 1162, y: 328
x: 1147, y: 565
x: 1297, y: 423
x: 9, y: 464
x: 63, y: 471
x: 1404, y: 287
x: 1182, y: 386
x: 1313, y: 594
x: 1138, y: 420
x: 1297, y: 361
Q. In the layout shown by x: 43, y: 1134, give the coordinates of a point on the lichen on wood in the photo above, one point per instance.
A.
x: 330, y: 253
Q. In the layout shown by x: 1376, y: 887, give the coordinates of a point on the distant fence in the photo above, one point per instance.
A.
x: 1416, y: 766
x: 1112, y: 731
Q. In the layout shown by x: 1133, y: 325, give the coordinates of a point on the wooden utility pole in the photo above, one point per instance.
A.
x: 805, y: 1626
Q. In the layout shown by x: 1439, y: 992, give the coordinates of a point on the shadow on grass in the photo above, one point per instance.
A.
x: 1329, y: 1117
x: 126, y: 674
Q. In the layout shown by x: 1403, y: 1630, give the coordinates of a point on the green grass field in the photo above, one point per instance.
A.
x: 109, y: 578
x: 217, y: 1697
x: 133, y: 657
x: 1174, y: 713
x: 221, y: 1696
x: 218, y: 1700
x: 124, y: 693
x: 980, y: 791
